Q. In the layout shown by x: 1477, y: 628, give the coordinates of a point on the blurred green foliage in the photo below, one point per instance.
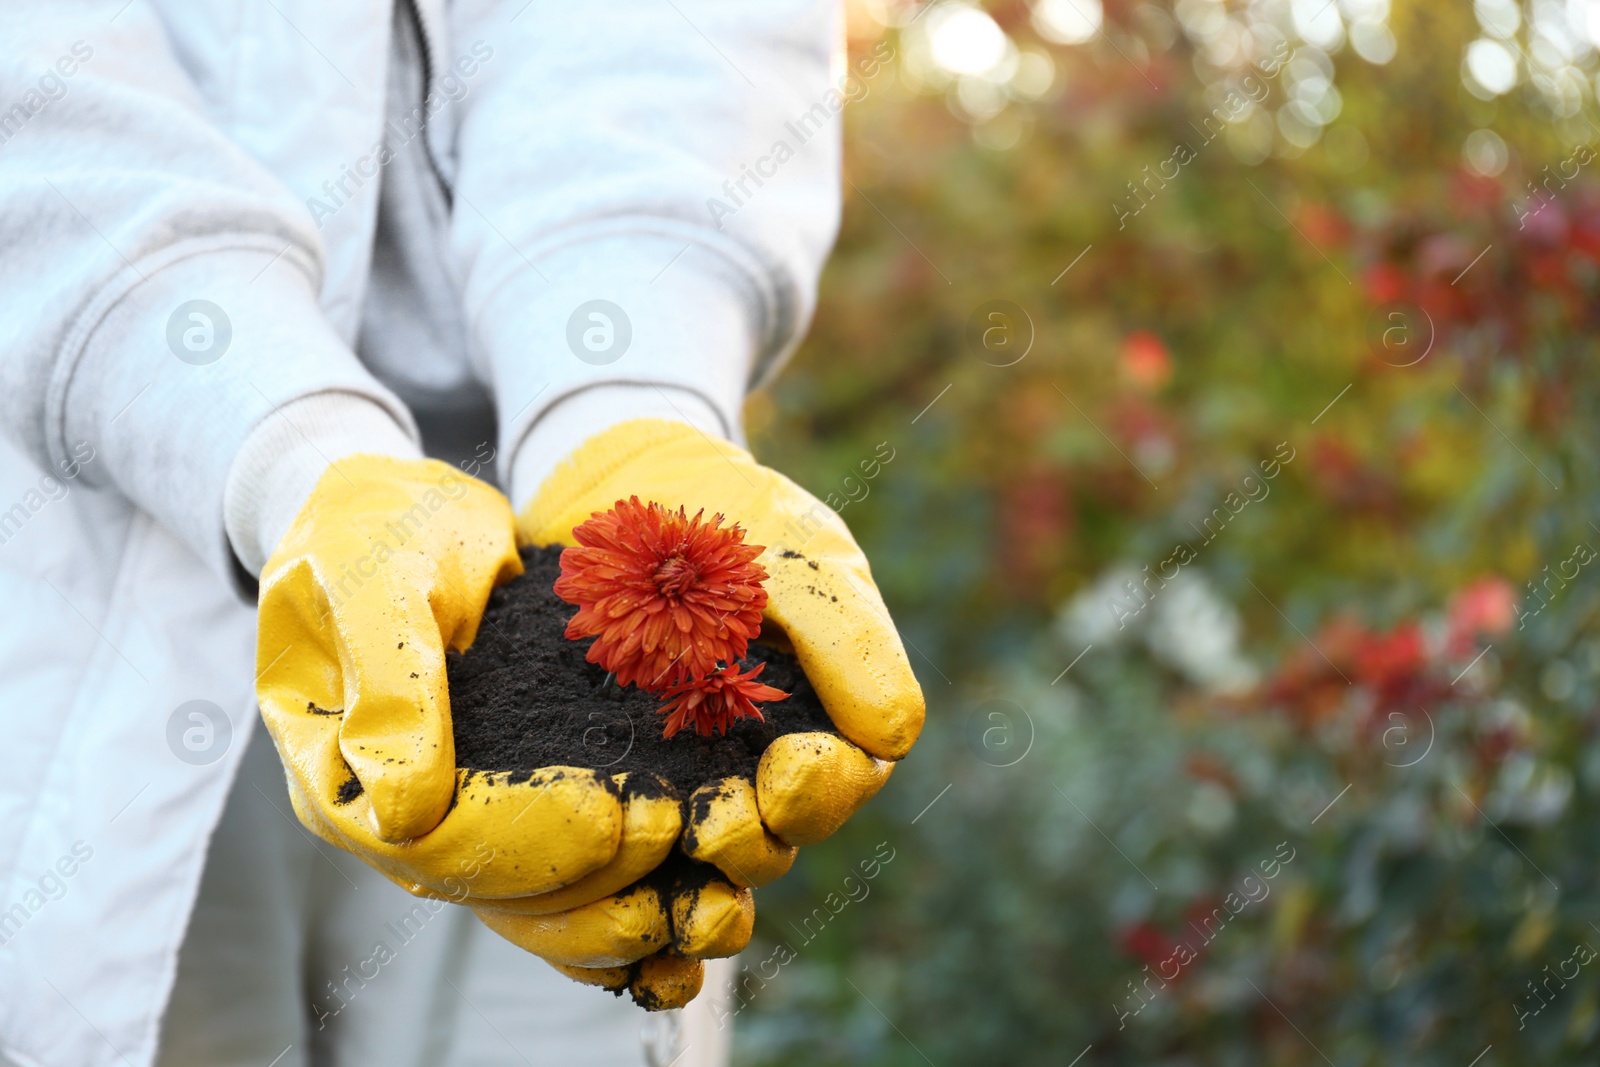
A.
x: 1385, y: 663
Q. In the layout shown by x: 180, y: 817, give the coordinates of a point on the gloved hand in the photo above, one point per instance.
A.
x: 388, y: 563
x: 595, y: 928
x: 820, y: 596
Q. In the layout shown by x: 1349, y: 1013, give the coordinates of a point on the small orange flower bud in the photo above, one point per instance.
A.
x: 713, y: 703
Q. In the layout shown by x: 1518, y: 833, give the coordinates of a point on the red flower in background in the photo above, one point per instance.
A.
x: 1147, y: 942
x: 1486, y: 608
x: 1395, y: 667
x: 666, y: 597
x: 1385, y: 282
x: 1323, y: 225
x: 1145, y: 361
x: 1036, y: 524
x: 1385, y: 661
x: 1528, y: 263
x: 714, y: 702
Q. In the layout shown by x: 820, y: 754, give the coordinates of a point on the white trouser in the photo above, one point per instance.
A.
x: 300, y: 955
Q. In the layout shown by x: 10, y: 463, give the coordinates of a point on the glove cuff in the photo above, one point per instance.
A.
x: 280, y: 462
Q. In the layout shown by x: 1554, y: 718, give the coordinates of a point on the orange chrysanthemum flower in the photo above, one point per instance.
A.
x: 666, y: 597
x: 714, y: 702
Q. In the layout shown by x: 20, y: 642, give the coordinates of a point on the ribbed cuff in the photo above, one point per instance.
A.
x: 669, y: 328
x: 182, y: 366
x: 281, y: 461
x: 582, y: 415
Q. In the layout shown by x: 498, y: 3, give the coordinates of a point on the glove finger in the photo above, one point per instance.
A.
x: 725, y: 830
x: 356, y: 610
x: 712, y: 921
x: 656, y: 983
x: 651, y: 820
x: 501, y: 839
x: 825, y: 602
x: 611, y: 979
x: 607, y: 933
x: 808, y: 784
x: 664, y: 982
x: 539, y: 834
x: 613, y: 931
x: 395, y: 732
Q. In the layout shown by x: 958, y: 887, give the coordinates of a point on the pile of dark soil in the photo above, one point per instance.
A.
x: 523, y: 697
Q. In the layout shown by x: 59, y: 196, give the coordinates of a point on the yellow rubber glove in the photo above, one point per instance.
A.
x: 647, y: 940
x: 700, y: 922
x: 820, y: 596
x: 388, y: 563
x: 656, y: 983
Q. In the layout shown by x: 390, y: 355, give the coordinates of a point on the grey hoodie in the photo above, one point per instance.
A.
x: 231, y: 249
x: 410, y: 206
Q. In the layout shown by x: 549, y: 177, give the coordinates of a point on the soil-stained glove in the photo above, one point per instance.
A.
x: 705, y: 919
x: 656, y: 983
x: 388, y: 563
x: 820, y: 596
x: 649, y: 939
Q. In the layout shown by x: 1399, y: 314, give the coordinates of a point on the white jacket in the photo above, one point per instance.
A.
x: 397, y: 208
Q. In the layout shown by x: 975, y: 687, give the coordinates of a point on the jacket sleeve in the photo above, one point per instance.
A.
x: 644, y: 195
x: 160, y: 296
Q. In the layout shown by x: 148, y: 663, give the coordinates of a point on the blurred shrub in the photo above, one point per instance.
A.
x: 1380, y: 662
